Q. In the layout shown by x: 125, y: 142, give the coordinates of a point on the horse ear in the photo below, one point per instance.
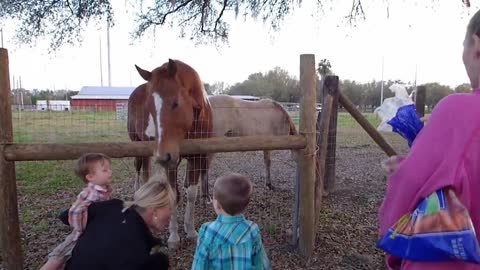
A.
x: 146, y: 75
x: 172, y: 68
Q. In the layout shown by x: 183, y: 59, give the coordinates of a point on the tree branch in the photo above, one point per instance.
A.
x: 189, y: 18
x: 357, y: 10
x: 225, y: 2
x: 164, y: 17
x: 202, y: 18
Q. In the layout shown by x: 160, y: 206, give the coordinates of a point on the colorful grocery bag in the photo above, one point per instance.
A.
x: 439, y: 229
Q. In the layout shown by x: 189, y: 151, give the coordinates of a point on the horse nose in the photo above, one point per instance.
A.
x: 164, y: 159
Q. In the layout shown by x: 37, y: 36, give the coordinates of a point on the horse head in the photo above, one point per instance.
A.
x: 175, y: 95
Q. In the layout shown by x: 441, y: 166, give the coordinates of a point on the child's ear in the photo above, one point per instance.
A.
x: 216, y: 205
x: 89, y: 177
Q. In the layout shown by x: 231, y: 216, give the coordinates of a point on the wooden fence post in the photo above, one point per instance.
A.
x: 358, y: 116
x: 307, y: 156
x: 323, y: 131
x: 331, y: 88
x: 9, y: 224
x: 420, y: 97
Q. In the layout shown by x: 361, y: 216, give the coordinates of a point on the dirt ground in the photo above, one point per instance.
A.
x: 346, y: 235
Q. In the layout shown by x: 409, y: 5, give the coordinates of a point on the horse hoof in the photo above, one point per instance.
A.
x: 192, y: 235
x: 173, y: 242
x: 270, y: 187
x: 173, y: 245
x: 207, y: 200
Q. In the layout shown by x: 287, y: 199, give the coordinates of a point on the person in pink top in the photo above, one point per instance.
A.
x: 94, y: 170
x: 446, y: 153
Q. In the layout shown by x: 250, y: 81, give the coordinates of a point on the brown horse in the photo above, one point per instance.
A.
x: 236, y: 117
x: 170, y: 107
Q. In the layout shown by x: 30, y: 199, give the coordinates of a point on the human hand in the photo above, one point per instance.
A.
x: 391, y: 164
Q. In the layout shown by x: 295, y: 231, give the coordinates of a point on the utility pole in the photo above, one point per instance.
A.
x: 381, y: 88
x: 101, y: 63
x: 108, y: 56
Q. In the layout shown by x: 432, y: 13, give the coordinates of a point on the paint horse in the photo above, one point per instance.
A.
x: 170, y: 107
x: 234, y: 117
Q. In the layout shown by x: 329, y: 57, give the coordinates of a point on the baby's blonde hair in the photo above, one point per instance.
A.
x: 156, y: 193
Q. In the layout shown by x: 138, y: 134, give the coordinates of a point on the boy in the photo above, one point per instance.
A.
x: 95, y: 171
x: 231, y: 241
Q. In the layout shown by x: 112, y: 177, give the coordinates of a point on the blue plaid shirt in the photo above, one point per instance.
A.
x: 230, y: 243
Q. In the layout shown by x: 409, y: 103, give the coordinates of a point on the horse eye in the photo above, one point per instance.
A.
x: 174, y: 105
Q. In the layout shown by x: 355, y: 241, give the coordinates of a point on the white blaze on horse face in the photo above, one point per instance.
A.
x: 158, y: 107
x: 150, y: 130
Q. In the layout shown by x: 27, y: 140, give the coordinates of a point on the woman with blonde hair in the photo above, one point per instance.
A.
x: 446, y: 153
x: 118, y: 234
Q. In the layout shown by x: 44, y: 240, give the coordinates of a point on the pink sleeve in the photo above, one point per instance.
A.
x: 76, y: 214
x: 431, y: 164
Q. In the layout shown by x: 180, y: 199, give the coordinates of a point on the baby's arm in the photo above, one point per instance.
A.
x: 78, y: 212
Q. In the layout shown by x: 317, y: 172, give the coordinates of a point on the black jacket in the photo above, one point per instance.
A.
x: 114, y: 240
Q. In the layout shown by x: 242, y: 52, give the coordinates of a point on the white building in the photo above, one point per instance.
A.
x: 53, y: 105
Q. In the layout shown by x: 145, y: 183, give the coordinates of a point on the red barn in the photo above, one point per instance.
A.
x: 101, y: 98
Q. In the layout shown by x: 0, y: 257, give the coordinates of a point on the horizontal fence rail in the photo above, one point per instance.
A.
x: 28, y: 152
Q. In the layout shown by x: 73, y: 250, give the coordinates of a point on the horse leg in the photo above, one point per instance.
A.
x: 146, y: 169
x: 194, y: 169
x: 266, y: 159
x: 204, y: 181
x: 138, y: 166
x: 174, y: 239
x: 206, y: 199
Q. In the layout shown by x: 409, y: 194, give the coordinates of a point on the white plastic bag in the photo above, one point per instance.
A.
x: 390, y: 106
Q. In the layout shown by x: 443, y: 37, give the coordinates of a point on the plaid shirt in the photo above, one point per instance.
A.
x: 230, y: 243
x: 77, y: 215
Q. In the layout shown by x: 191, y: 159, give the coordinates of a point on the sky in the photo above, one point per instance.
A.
x: 412, y: 39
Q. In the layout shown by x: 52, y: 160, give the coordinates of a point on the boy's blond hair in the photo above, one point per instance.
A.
x: 85, y: 163
x: 232, y: 191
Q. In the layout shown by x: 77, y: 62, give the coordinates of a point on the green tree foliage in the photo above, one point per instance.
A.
x: 435, y: 92
x: 63, y: 21
x: 324, y: 68
x: 281, y: 86
x: 276, y: 84
x: 215, y: 88
x: 463, y: 88
x: 51, y: 95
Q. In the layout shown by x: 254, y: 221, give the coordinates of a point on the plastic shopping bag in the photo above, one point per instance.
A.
x: 439, y: 229
x: 398, y: 115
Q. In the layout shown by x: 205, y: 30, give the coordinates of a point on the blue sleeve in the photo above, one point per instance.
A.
x: 260, y: 258
x: 200, y: 259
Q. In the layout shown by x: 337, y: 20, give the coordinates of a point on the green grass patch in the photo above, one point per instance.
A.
x: 45, y: 177
x: 50, y: 177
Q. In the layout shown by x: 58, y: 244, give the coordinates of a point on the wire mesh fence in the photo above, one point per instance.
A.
x: 62, y: 124
x: 77, y: 124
